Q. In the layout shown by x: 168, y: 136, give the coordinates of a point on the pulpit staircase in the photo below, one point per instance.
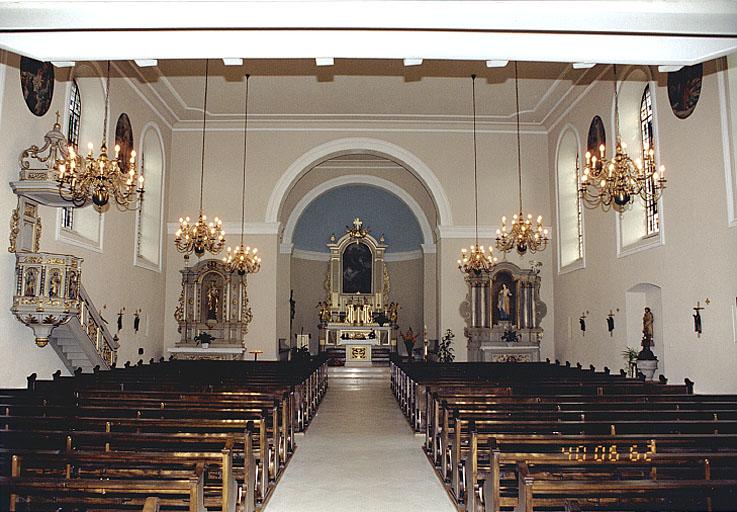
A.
x: 85, y: 341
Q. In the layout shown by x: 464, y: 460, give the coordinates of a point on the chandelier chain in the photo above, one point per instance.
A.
x: 475, y: 178
x: 616, y: 107
x: 204, y: 130
x: 107, y: 106
x: 519, y: 143
x: 245, y: 157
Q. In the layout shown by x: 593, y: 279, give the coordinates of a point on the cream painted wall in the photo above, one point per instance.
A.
x: 447, y: 152
x: 696, y: 262
x: 109, y: 277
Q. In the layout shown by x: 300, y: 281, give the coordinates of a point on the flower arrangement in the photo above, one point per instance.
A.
x: 510, y: 336
x: 445, y: 348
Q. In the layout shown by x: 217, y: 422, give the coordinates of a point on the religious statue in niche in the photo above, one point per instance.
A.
x: 29, y: 288
x: 55, y: 284
x: 503, y: 302
x: 213, y: 301
x: 647, y: 336
x: 73, y: 285
x: 357, y: 259
x: 503, y: 294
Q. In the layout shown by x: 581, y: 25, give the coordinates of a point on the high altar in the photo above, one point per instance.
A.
x: 357, y: 316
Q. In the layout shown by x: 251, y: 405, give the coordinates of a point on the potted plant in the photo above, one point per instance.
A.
x: 445, y: 348
x: 630, y: 355
x: 510, y: 336
x: 203, y: 339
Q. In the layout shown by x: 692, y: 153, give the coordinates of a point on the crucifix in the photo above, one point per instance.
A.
x: 582, y: 323
x: 697, y: 318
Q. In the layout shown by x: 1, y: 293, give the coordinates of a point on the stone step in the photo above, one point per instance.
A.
x: 359, y: 372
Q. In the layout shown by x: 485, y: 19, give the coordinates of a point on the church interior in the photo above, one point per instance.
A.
x: 297, y: 256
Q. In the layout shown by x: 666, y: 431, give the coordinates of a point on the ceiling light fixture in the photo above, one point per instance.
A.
x: 324, y: 61
x: 583, y: 65
x: 412, y: 62
x: 475, y: 260
x: 523, y: 234
x: 497, y: 63
x: 146, y: 63
x: 616, y: 181
x: 233, y: 62
x: 243, y: 259
x: 200, y: 237
x: 83, y: 179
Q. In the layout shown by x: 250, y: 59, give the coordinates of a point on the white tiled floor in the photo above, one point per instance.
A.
x: 359, y: 454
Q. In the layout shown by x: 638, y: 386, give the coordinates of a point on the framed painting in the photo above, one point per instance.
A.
x: 124, y: 139
x: 357, y: 266
x: 684, y: 89
x: 37, y: 85
x: 596, y: 136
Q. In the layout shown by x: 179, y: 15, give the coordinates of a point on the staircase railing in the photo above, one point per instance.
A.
x: 99, y: 335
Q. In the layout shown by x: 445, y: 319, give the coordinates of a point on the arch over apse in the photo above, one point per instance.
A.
x: 354, y: 146
x: 358, y: 179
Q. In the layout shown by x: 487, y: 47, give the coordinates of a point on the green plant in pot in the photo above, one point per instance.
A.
x: 203, y: 339
x: 630, y: 356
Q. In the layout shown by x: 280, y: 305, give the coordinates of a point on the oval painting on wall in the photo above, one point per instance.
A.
x: 37, y: 84
x: 596, y: 137
x: 684, y: 89
x: 124, y: 139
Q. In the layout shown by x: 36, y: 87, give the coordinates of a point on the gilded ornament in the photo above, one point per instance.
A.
x: 14, y: 229
x: 37, y: 235
x: 179, y: 311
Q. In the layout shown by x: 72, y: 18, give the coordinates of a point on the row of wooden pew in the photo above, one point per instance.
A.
x: 544, y: 436
x: 170, y: 435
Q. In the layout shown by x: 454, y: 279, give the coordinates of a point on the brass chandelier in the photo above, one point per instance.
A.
x: 97, y: 179
x: 615, y: 182
x: 243, y: 259
x: 201, y: 236
x: 523, y: 234
x: 475, y: 260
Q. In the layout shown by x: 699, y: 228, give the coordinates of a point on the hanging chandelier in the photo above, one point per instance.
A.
x: 97, y: 179
x: 201, y: 236
x: 243, y: 259
x: 615, y: 182
x: 475, y: 260
x: 523, y: 234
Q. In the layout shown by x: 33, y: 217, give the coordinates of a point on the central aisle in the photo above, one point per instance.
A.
x: 359, y: 453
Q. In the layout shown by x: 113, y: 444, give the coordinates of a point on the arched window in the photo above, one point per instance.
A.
x: 83, y: 226
x: 570, y: 221
x: 149, y: 221
x: 648, y: 141
x: 638, y: 227
x: 75, y: 114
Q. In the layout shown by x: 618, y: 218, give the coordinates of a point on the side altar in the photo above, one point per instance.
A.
x: 503, y: 312
x: 356, y: 318
x: 213, y: 313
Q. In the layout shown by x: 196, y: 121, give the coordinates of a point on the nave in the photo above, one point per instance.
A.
x: 359, y: 453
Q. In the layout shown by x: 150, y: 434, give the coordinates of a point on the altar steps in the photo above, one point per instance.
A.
x: 354, y: 374
x: 379, y: 355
